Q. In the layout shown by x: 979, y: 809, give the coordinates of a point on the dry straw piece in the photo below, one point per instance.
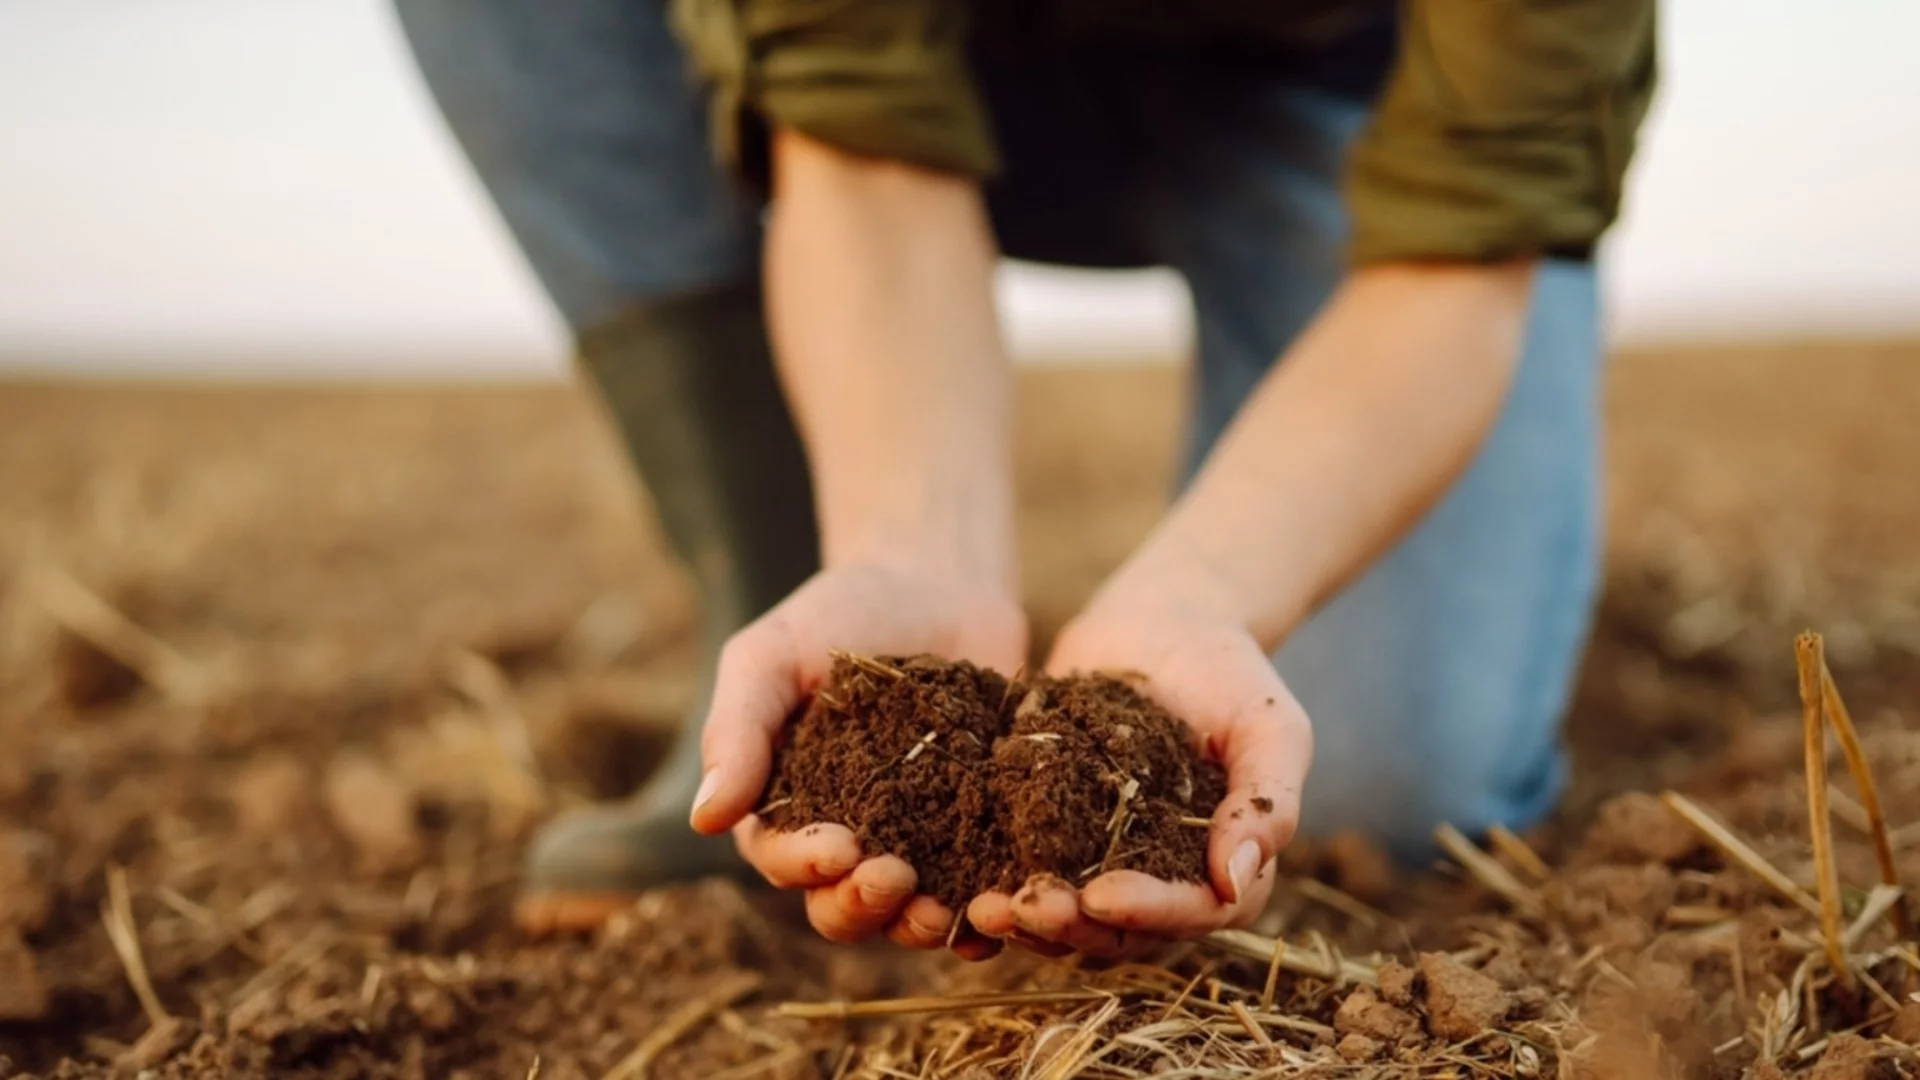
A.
x: 83, y: 613
x: 1506, y: 843
x: 682, y: 1020
x: 1497, y: 878
x: 849, y: 1010
x: 117, y: 915
x: 1836, y: 715
x: 1739, y: 850
x: 1810, y: 662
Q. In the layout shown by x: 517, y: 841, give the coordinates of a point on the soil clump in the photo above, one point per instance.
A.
x: 981, y: 782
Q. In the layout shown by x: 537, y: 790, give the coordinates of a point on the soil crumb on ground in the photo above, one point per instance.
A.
x: 981, y: 782
x: 1461, y: 1002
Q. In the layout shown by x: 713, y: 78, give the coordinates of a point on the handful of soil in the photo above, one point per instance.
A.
x: 980, y: 782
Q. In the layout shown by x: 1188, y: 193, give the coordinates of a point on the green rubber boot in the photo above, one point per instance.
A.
x: 690, y: 383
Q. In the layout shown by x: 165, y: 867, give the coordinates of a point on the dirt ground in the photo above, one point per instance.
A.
x: 386, y: 631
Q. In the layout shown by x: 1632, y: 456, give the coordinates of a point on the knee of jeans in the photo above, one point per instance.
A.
x: 1400, y: 803
x: 1473, y: 796
x: 1405, y: 746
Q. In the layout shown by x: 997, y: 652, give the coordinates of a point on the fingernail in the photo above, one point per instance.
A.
x: 1242, y: 866
x: 880, y: 899
x: 707, y: 785
x: 835, y: 868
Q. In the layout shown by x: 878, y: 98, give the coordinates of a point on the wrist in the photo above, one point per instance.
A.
x: 1301, y: 492
x: 1174, y: 576
x: 967, y: 552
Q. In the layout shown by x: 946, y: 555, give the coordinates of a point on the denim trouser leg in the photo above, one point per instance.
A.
x: 1436, y: 681
x: 583, y: 122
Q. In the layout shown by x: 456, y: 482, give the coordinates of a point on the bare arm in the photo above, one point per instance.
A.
x: 1362, y: 425
x: 1367, y: 419
x: 879, y: 297
x: 879, y: 284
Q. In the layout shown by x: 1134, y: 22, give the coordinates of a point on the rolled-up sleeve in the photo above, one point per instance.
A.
x: 881, y: 78
x: 1505, y: 129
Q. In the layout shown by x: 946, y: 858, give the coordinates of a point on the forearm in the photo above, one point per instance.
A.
x: 879, y: 287
x: 1355, y: 433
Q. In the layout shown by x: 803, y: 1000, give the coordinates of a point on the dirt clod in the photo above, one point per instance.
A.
x: 25, y: 867
x: 1850, y: 1057
x: 1668, y: 995
x: 1461, y: 1002
x: 22, y: 994
x: 1397, y: 983
x: 1357, y: 1048
x: 1593, y: 895
x: 1637, y: 826
x: 374, y: 808
x: 270, y: 792
x: 1363, y: 1013
x: 982, y: 784
x: 1905, y: 1025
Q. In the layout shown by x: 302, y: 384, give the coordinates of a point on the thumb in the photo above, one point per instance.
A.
x: 1266, y: 744
x: 757, y: 686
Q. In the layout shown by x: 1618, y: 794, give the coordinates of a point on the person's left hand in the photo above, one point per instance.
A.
x: 1216, y: 677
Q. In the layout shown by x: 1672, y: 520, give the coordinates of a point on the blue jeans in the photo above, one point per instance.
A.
x: 1436, y: 681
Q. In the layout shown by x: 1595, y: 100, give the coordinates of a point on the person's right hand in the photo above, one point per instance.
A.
x: 771, y: 667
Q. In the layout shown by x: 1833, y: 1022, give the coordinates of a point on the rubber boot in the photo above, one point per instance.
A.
x: 690, y: 384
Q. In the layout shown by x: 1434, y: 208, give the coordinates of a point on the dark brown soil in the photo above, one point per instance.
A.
x: 982, y: 783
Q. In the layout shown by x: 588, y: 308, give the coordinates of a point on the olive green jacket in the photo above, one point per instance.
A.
x: 1504, y: 128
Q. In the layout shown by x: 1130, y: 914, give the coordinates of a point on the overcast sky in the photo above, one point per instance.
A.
x: 223, y: 183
